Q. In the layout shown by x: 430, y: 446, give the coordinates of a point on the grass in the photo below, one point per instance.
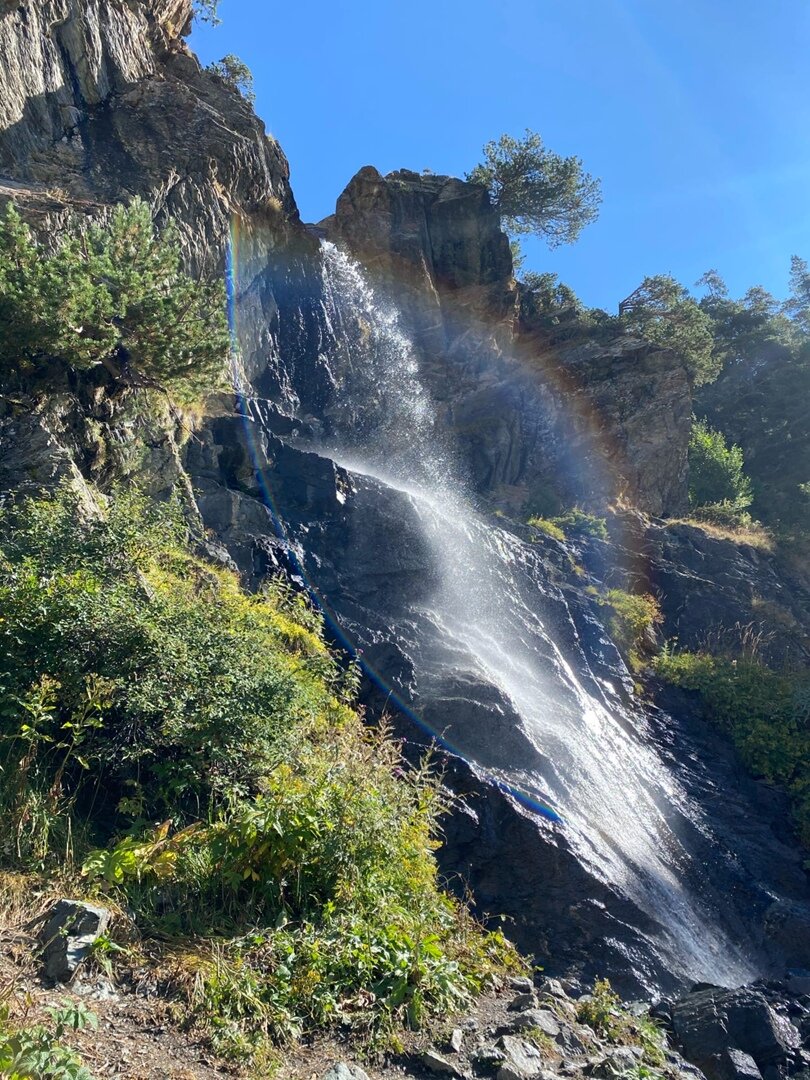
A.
x: 754, y: 534
x: 547, y: 527
x: 574, y: 522
x: 765, y: 712
x: 631, y: 623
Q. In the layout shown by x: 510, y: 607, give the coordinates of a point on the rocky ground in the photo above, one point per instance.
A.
x: 522, y: 1029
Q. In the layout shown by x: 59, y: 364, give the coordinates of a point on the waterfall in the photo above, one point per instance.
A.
x: 624, y: 811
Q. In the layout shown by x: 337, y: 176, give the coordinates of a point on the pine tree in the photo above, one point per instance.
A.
x: 112, y: 294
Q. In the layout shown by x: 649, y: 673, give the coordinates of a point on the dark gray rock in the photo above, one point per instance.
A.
x: 522, y: 1001
x: 740, y: 1066
x: 619, y: 1062
x: 553, y: 988
x: 438, y: 1063
x: 486, y: 1057
x: 522, y: 1060
x: 709, y: 1023
x: 68, y: 935
x: 541, y: 1019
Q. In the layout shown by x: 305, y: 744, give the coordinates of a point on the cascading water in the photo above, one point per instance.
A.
x: 618, y: 801
x: 580, y: 751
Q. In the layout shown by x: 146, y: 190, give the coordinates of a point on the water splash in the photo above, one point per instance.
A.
x: 624, y: 811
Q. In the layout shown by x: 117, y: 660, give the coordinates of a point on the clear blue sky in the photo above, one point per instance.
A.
x: 694, y: 113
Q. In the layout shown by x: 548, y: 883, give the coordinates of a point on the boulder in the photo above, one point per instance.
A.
x: 541, y: 1019
x: 711, y: 1024
x: 522, y: 1001
x: 68, y: 935
x: 341, y: 1071
x: 522, y: 1060
x: 619, y: 1062
x: 740, y: 1066
x: 434, y: 1061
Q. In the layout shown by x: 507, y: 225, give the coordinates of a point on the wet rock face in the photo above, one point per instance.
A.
x: 590, y: 421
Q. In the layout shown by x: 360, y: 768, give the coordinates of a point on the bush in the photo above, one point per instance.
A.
x: 602, y: 1010
x: 139, y: 684
x: 632, y: 622
x: 236, y: 74
x: 766, y: 713
x: 580, y: 523
x: 35, y: 1052
x: 112, y: 295
x: 716, y: 476
x: 138, y: 680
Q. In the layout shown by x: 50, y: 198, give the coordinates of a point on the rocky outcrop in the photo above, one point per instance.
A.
x: 715, y: 592
x: 590, y: 422
x: 102, y: 102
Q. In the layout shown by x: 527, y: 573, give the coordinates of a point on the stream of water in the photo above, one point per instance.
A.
x: 624, y: 811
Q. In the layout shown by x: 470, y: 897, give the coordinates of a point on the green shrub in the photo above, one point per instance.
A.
x: 112, y: 295
x: 766, y: 713
x: 633, y: 619
x: 139, y: 684
x: 716, y: 476
x: 236, y: 74
x: 580, y: 523
x: 36, y: 1052
x: 138, y: 680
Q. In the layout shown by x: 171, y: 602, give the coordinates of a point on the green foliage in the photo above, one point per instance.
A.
x: 577, y: 522
x: 548, y: 528
x: 766, y: 713
x: 632, y: 622
x: 36, y: 1052
x: 236, y: 74
x: 111, y: 294
x: 662, y: 311
x: 139, y: 684
x: 536, y: 190
x: 759, y: 403
x: 602, y: 1010
x: 716, y: 470
x: 797, y: 305
x: 136, y: 679
x: 574, y: 522
x: 207, y: 11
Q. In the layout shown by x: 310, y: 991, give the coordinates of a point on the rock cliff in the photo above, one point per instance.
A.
x: 593, y: 422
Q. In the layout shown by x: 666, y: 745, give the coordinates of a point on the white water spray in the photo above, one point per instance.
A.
x: 621, y: 806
